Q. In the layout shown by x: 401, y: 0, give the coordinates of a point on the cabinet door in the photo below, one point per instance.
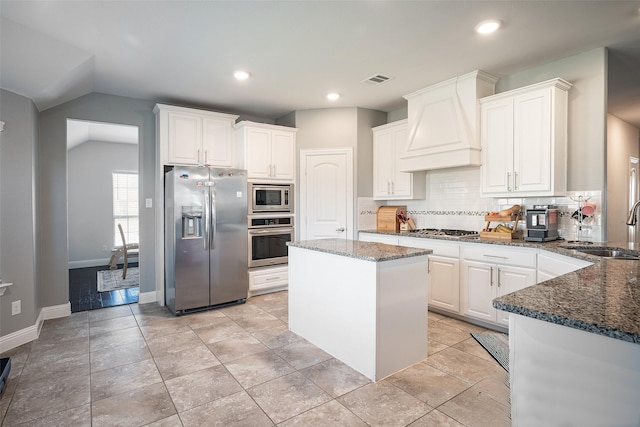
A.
x: 258, y: 147
x: 283, y: 155
x: 497, y: 146
x: 401, y: 181
x: 383, y: 163
x: 532, y: 142
x: 217, y: 143
x: 444, y: 283
x: 511, y: 279
x: 477, y: 289
x: 185, y: 139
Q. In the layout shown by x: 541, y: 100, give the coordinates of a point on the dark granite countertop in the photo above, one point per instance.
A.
x: 603, y: 298
x: 367, y: 251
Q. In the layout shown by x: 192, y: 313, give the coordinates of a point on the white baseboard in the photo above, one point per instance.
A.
x: 56, y: 311
x: 32, y: 332
x: 146, y: 297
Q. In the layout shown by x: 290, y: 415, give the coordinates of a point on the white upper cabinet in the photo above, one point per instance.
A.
x: 194, y: 137
x: 388, y: 182
x: 443, y: 123
x: 269, y: 151
x: 524, y: 141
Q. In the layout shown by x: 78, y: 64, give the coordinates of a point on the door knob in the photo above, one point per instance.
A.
x: 340, y: 229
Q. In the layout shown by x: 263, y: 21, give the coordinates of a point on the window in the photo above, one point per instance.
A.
x: 125, y: 207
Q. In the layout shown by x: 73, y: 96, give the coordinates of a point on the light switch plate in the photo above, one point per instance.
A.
x: 148, y: 203
x: 16, y: 307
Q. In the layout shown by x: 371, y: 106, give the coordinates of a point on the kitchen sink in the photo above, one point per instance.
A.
x: 609, y: 253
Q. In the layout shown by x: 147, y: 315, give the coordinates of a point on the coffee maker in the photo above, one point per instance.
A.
x: 542, y: 223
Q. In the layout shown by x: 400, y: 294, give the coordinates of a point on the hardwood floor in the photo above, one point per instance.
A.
x: 83, y: 293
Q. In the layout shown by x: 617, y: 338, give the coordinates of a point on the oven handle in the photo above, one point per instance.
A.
x: 273, y: 230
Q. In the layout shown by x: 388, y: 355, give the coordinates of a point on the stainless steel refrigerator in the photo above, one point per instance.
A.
x: 205, y: 238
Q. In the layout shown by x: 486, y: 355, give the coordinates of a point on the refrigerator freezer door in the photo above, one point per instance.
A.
x: 191, y: 266
x: 229, y: 278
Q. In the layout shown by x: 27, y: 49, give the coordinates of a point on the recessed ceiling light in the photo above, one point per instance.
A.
x: 241, y: 75
x: 333, y: 96
x: 487, y: 27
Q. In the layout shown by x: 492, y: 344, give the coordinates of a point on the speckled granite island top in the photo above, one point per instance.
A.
x: 603, y: 298
x: 366, y: 251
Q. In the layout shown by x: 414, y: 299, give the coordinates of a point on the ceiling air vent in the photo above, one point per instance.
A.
x: 377, y: 79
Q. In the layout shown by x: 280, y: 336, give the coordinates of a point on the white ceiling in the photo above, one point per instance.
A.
x: 185, y: 52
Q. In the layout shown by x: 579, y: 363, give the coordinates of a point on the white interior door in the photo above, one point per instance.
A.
x: 326, y: 194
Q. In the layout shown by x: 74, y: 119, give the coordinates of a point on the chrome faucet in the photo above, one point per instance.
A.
x: 633, y: 214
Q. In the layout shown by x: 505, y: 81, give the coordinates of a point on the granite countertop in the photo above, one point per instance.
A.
x: 366, y: 251
x: 603, y: 298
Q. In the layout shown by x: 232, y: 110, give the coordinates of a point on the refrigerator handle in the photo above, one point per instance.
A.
x: 206, y: 220
x: 214, y: 219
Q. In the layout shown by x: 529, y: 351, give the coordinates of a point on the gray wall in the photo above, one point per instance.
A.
x: 52, y: 212
x: 90, y: 168
x: 623, y: 141
x: 18, y: 195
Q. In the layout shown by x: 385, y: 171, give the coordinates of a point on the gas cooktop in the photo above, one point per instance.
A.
x: 445, y: 232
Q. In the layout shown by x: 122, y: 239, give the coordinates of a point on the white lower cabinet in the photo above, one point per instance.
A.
x: 488, y: 273
x: 268, y: 279
x: 444, y: 283
x: 444, y: 271
x: 465, y: 278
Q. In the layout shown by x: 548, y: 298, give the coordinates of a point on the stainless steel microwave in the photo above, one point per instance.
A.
x: 270, y: 198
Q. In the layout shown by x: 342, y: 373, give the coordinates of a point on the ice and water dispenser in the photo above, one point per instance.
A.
x: 192, y: 226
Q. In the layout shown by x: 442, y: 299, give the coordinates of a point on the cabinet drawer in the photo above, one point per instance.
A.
x: 269, y: 279
x: 496, y: 255
x: 269, y: 276
x: 439, y: 247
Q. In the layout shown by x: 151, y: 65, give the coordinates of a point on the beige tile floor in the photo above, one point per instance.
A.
x: 139, y: 365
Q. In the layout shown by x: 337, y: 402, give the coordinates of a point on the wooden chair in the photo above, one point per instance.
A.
x: 123, y: 251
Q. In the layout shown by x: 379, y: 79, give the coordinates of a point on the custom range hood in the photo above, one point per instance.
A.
x: 444, y: 123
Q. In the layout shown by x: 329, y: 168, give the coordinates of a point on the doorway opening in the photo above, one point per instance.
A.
x: 102, y: 193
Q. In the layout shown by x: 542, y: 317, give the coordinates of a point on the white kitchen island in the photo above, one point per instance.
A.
x: 364, y: 303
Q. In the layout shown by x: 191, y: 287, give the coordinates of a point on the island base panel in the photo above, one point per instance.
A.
x: 565, y: 376
x: 370, y: 315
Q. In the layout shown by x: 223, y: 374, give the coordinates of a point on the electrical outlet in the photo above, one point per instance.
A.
x: 16, y: 307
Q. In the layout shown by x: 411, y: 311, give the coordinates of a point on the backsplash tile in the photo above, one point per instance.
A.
x: 453, y: 201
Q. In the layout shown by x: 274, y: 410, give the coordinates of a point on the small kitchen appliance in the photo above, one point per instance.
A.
x: 542, y: 223
x: 269, y: 198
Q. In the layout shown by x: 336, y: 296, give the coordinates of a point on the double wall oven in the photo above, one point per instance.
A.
x: 270, y: 223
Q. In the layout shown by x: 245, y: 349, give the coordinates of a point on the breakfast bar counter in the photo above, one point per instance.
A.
x: 364, y: 303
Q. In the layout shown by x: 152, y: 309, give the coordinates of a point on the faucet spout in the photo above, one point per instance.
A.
x: 633, y: 214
